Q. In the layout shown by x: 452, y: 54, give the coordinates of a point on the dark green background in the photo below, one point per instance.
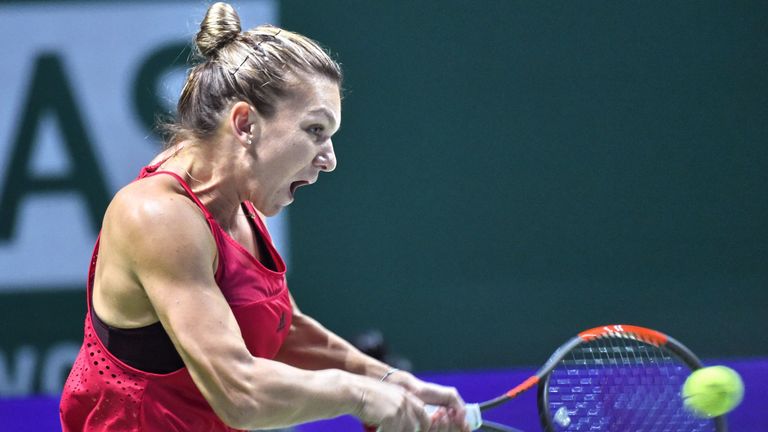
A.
x: 513, y: 172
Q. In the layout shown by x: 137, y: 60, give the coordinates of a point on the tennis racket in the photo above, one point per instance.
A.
x: 616, y: 378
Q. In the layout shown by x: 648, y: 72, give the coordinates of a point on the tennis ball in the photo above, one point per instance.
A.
x: 712, y: 391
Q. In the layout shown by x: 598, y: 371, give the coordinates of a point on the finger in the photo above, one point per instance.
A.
x: 455, y: 409
x: 443, y: 424
x: 439, y: 414
x: 437, y: 420
x: 454, y: 399
x: 419, y: 414
x: 458, y: 417
x: 449, y: 400
x: 439, y: 395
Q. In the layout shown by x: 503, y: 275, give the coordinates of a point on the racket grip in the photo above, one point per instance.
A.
x: 474, y: 418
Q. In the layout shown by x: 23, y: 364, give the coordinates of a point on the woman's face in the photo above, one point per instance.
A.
x: 292, y: 147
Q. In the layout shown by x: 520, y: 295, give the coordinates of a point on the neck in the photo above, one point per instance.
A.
x: 210, y: 178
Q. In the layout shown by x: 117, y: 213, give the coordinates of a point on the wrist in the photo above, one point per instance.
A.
x: 388, y: 373
x: 399, y: 377
x: 356, y: 395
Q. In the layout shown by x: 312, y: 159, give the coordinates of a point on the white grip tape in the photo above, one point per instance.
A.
x: 474, y: 418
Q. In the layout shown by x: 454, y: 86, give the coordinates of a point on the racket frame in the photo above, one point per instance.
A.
x: 541, y: 378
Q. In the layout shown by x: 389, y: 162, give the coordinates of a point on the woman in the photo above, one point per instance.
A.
x: 190, y: 324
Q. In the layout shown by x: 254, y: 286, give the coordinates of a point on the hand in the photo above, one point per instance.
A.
x: 391, y: 408
x: 451, y: 417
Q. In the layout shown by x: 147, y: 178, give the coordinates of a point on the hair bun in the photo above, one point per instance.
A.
x: 220, y: 26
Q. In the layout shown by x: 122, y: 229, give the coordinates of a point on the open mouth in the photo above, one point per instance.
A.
x: 297, y: 184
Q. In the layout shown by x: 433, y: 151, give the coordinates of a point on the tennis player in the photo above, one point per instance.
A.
x: 190, y: 324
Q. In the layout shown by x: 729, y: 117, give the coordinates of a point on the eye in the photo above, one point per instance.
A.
x: 316, y: 130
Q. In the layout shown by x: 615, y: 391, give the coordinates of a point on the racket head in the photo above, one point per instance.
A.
x: 619, y: 378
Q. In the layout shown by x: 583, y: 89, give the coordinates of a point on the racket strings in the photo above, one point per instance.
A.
x: 620, y: 384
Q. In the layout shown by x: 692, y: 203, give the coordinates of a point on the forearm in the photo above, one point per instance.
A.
x: 311, y: 346
x: 248, y: 392
x: 279, y: 395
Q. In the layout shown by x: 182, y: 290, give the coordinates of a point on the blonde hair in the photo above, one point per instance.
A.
x: 257, y: 66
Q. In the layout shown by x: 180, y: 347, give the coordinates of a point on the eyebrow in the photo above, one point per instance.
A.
x: 327, y: 113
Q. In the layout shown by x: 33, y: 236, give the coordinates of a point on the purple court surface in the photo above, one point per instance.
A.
x: 41, y: 413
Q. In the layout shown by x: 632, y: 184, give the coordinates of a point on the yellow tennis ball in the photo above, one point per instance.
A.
x: 712, y: 391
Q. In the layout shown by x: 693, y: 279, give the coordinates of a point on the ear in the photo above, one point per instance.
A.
x: 245, y: 123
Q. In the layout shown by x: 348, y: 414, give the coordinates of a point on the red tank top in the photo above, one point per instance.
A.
x: 104, y: 394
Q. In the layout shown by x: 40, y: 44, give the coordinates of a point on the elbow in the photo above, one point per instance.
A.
x: 249, y: 400
x: 234, y: 400
x: 238, y: 412
x: 234, y: 395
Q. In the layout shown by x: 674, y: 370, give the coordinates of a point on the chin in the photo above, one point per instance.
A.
x: 272, y: 210
x: 269, y: 208
x: 271, y: 213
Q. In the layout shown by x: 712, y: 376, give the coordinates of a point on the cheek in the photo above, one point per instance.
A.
x: 300, y: 152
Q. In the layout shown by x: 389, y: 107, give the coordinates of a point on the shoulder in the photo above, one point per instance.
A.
x: 156, y: 213
x: 152, y: 201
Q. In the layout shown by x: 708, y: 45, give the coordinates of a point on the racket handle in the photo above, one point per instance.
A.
x: 474, y: 418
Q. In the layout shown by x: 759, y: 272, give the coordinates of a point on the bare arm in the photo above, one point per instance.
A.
x: 309, y: 345
x: 171, y: 252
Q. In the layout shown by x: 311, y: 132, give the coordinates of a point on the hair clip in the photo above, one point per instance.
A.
x: 241, y: 65
x: 272, y: 37
x: 258, y: 47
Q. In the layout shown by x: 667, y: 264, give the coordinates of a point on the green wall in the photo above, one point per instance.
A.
x: 513, y: 172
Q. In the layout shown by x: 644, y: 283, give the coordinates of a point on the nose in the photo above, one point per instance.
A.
x: 326, y: 159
